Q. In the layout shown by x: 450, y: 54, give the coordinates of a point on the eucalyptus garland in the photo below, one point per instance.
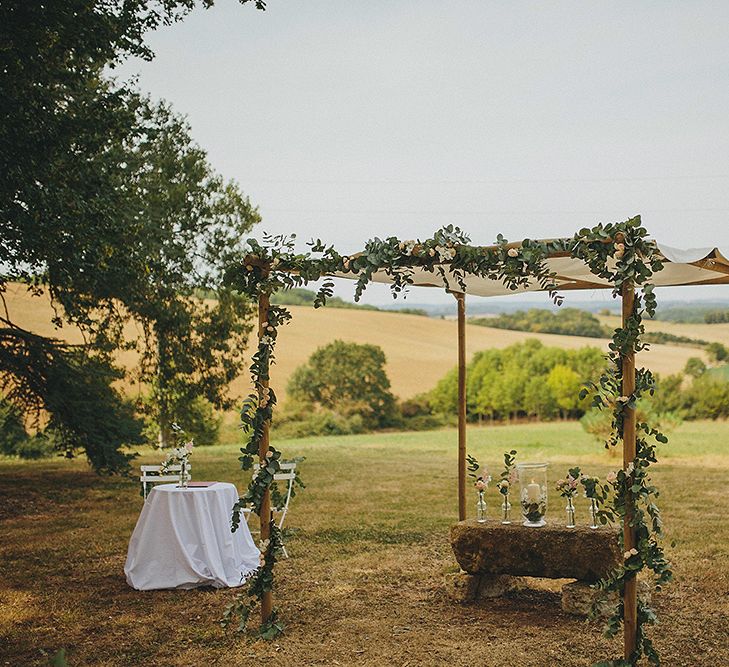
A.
x: 618, y: 253
x: 622, y: 254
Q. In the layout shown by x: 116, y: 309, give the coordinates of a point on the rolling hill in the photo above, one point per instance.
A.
x: 419, y: 350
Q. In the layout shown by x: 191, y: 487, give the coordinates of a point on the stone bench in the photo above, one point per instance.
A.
x: 495, y: 557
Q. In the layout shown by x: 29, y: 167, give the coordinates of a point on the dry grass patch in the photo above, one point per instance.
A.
x: 364, y: 585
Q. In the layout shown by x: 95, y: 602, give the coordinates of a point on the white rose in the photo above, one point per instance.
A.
x: 513, y: 252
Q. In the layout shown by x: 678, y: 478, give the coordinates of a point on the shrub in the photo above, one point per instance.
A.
x: 694, y: 367
x: 12, y: 429
x: 325, y: 422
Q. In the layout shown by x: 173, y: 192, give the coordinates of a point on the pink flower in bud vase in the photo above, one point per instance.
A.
x: 269, y: 454
x: 612, y: 477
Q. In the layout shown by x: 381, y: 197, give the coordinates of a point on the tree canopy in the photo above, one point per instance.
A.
x: 347, y: 378
x: 527, y: 379
x: 108, y: 206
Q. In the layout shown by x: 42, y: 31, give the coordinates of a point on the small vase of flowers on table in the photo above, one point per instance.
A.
x: 597, y: 493
x: 508, y: 479
x: 481, y: 483
x: 567, y: 488
x: 180, y: 455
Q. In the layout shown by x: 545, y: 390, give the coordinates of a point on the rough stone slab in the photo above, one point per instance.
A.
x: 551, y: 551
x: 462, y: 587
x: 577, y: 598
x: 496, y: 585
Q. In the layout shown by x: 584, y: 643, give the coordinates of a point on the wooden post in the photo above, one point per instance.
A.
x: 461, y: 301
x: 265, y: 517
x: 630, y: 592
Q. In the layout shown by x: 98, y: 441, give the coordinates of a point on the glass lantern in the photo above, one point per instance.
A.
x: 533, y: 492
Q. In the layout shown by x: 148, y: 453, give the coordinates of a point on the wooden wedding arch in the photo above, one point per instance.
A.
x: 702, y: 266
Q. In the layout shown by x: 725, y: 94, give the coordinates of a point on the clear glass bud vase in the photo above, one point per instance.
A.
x: 182, y: 484
x: 593, y: 514
x: 481, y: 508
x: 570, y: 509
x: 506, y: 510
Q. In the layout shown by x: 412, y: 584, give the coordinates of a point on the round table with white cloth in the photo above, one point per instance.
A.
x: 183, y: 539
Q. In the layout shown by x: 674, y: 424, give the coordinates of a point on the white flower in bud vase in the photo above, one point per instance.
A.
x: 513, y: 252
x: 612, y: 477
x: 269, y: 454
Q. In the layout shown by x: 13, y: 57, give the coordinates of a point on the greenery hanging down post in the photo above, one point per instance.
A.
x: 615, y: 252
x: 622, y: 254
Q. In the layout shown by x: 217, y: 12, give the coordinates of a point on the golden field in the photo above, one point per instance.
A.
x: 419, y: 350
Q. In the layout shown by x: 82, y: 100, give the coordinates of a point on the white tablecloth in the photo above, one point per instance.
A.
x: 183, y: 539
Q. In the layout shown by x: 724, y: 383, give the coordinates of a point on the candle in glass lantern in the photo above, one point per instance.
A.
x: 533, y: 492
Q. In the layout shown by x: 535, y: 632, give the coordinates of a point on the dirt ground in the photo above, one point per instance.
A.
x: 364, y: 584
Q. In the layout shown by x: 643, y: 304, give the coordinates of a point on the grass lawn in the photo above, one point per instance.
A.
x: 369, y: 551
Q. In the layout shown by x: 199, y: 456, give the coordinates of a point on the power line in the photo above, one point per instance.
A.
x: 492, y: 181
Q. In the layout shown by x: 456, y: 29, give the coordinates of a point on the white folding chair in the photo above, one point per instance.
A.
x: 286, y: 474
x: 153, y: 475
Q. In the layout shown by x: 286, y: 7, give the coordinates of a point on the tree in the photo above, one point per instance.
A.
x: 99, y: 196
x: 539, y: 401
x: 348, y: 378
x: 694, y: 367
x: 443, y: 398
x: 564, y: 383
x: 717, y: 352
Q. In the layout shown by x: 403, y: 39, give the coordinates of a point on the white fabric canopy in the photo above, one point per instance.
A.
x: 697, y: 266
x: 183, y: 539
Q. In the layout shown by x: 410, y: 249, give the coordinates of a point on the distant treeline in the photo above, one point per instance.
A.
x: 717, y: 317
x: 532, y: 381
x: 523, y: 380
x: 695, y: 314
x: 576, y: 322
x: 568, y: 321
x: 299, y: 296
x: 673, y: 339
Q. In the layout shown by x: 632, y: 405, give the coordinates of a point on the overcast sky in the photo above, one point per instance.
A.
x: 346, y: 120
